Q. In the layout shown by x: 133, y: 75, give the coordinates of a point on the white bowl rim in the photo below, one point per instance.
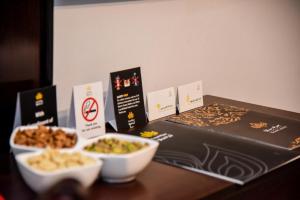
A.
x: 31, y: 148
x: 152, y: 145
x: 21, y: 159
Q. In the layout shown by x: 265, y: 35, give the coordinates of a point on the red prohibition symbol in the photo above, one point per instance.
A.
x: 89, y: 109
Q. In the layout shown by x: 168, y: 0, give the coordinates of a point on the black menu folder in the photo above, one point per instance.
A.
x: 227, y: 158
x: 244, y: 124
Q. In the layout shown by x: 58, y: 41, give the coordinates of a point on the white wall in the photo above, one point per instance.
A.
x: 248, y: 50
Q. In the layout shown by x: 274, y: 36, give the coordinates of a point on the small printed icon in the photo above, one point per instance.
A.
x: 135, y: 80
x: 39, y: 114
x: 89, y: 109
x: 88, y: 87
x: 130, y: 115
x: 39, y: 99
x: 118, y: 83
x: 88, y: 90
x: 158, y: 106
x: 258, y: 125
x: 126, y: 82
x: 295, y: 142
x: 188, y: 98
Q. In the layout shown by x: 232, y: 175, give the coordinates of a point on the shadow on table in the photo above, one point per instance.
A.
x: 131, y: 190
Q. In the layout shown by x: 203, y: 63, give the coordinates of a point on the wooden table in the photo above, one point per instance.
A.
x: 160, y: 181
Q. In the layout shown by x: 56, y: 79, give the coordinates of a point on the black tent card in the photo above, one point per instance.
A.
x: 36, y: 107
x: 124, y: 108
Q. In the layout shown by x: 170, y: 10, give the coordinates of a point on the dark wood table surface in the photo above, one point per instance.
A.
x: 159, y: 181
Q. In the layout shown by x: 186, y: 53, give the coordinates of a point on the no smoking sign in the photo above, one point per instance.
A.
x: 89, y: 109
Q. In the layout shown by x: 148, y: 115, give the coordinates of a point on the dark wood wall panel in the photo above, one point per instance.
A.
x: 25, y: 53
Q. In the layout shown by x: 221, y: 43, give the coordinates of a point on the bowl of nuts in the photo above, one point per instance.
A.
x: 124, y: 156
x: 41, y: 170
x: 35, y: 138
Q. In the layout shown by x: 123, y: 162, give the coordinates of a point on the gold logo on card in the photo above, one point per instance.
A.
x: 130, y: 115
x: 188, y: 98
x: 38, y: 96
x: 149, y: 134
x: 259, y: 125
x: 88, y: 89
x: 158, y: 106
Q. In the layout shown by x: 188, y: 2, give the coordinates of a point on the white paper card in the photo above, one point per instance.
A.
x: 161, y: 103
x: 87, y: 110
x: 190, y: 96
x: 109, y: 108
x: 17, y: 121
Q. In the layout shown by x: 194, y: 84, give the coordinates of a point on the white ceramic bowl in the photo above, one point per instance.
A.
x: 16, y: 148
x: 118, y: 168
x: 40, y: 181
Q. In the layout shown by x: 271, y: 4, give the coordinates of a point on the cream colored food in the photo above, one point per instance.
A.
x: 51, y: 160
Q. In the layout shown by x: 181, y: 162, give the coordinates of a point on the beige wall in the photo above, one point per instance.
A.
x: 247, y: 50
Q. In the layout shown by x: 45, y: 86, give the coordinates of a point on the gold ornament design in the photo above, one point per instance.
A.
x: 149, y: 134
x: 258, y: 125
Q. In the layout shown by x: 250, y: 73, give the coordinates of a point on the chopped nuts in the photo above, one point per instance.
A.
x: 43, y: 137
